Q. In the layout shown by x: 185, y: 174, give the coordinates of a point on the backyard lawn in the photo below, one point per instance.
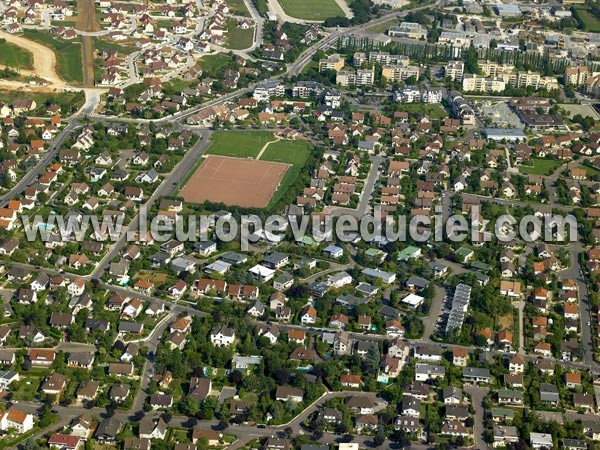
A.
x: 14, y: 56
x: 538, y: 166
x: 68, y: 54
x: 311, y: 9
x: 239, y: 144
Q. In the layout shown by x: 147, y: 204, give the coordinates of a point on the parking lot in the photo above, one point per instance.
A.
x: 500, y: 114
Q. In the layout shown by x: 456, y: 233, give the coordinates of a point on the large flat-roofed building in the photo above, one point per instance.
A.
x: 508, y: 10
x: 510, y: 134
x: 409, y: 30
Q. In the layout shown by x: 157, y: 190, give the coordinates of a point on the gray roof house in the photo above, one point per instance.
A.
x: 476, y: 375
x: 549, y: 394
x: 108, y: 430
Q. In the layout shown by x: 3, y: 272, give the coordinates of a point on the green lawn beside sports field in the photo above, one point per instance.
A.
x: 311, y: 9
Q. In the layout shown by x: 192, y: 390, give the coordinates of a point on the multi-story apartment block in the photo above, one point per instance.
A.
x: 361, y: 77
x: 399, y: 73
x: 493, y: 69
x: 415, y: 95
x: 478, y: 83
x: 577, y: 76
x: 359, y: 58
x: 526, y: 79
x: 332, y: 62
x: 454, y: 70
x: 384, y: 58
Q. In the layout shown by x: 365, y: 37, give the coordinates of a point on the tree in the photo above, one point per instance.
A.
x: 281, y: 376
x: 379, y: 440
x: 31, y: 444
x: 472, y: 60
x: 236, y: 377
x: 189, y: 406
x: 222, y: 425
x: 347, y: 438
x: 372, y: 358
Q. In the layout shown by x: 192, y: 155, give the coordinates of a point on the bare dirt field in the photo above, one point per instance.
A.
x: 87, y: 21
x: 234, y: 181
x: 44, y: 60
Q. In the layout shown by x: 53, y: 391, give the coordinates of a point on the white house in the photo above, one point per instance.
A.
x: 541, y: 440
x: 77, y: 287
x: 222, y: 336
x: 17, y: 420
x: 262, y: 273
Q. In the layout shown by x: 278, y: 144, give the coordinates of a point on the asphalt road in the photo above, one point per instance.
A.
x: 364, y: 204
x: 33, y: 174
x: 477, y: 395
x: 167, y: 187
x: 586, y: 335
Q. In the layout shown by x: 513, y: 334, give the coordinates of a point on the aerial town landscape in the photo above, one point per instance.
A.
x: 125, y: 323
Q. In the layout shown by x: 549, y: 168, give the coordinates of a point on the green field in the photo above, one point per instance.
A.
x: 311, y: 9
x: 239, y: 144
x: 124, y: 49
x: 68, y: 54
x: 591, y: 171
x: 213, y: 63
x: 432, y: 110
x: 68, y: 101
x: 289, y: 152
x: 238, y: 8
x: 14, y: 56
x: 538, y: 166
x: 165, y: 23
x: 382, y: 27
x: 590, y: 22
x: 295, y: 153
x: 237, y: 38
x: 178, y: 85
